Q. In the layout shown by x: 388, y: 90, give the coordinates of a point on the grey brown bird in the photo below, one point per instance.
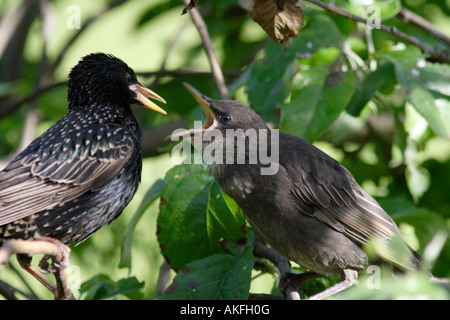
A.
x: 310, y: 209
x: 84, y: 170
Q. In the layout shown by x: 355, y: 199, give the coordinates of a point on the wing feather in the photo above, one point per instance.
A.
x: 328, y: 187
x: 48, y: 172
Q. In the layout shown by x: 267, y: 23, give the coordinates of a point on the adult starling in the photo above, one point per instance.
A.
x: 310, y: 209
x: 83, y: 171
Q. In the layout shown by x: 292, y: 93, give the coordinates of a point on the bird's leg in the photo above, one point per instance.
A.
x: 53, y: 248
x: 348, y: 277
x: 291, y: 284
x: 25, y: 263
x: 62, y: 285
x: 59, y: 263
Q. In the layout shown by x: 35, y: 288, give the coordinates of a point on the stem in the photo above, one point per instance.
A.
x: 439, y: 55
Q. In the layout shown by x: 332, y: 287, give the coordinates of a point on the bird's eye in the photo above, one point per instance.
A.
x: 129, y: 77
x: 224, y: 118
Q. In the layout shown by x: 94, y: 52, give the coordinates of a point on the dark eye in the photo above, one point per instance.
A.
x: 224, y: 118
x: 129, y: 77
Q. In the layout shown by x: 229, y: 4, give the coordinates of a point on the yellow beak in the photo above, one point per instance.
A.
x: 203, y: 104
x: 142, y: 94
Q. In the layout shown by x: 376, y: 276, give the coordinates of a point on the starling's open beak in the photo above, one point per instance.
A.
x: 142, y: 95
x: 204, y: 104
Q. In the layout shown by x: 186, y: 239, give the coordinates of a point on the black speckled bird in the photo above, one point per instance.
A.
x: 83, y: 171
x: 310, y: 209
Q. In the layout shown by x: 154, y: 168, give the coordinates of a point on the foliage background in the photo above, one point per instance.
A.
x: 372, y: 101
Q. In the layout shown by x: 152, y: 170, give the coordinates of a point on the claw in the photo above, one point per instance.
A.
x: 52, y: 249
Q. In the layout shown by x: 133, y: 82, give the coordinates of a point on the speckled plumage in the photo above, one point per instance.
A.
x: 83, y: 171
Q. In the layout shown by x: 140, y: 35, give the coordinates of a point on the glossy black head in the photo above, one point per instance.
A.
x: 100, y: 79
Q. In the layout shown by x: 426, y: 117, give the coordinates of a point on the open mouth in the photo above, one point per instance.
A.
x: 210, y: 122
x: 142, y: 95
x: 204, y: 104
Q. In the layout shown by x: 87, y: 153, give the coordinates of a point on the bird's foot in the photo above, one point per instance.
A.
x: 51, y: 248
x: 349, y: 277
x: 291, y: 284
x: 60, y: 258
x: 60, y: 261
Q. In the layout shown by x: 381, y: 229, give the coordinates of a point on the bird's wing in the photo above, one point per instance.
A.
x: 327, y: 190
x: 56, y: 169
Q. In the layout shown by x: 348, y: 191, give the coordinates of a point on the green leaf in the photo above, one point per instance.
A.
x: 388, y: 9
x: 102, y: 287
x: 383, y: 76
x: 267, y: 79
x: 418, y: 180
x: 196, y: 219
x: 316, y: 103
x: 269, y: 82
x: 219, y: 276
x: 299, y: 112
x: 436, y: 77
x: 152, y: 194
x: 372, y: 9
x: 425, y: 223
x: 424, y: 103
x: 320, y: 32
x: 409, y: 66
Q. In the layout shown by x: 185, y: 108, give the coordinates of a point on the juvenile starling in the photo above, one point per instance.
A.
x: 84, y: 170
x: 310, y: 209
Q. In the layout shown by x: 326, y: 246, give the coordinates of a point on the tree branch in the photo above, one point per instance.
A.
x: 438, y: 55
x: 87, y: 23
x: 50, y: 248
x: 8, y: 291
x: 411, y: 17
x: 207, y: 45
x: 14, y: 105
x: 164, y: 273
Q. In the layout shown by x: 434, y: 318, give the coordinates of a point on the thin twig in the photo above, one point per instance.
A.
x: 415, y: 19
x: 14, y: 105
x: 77, y: 34
x: 164, y: 274
x: 50, y: 248
x: 264, y: 296
x: 438, y: 55
x: 32, y: 295
x: 169, y: 49
x: 207, y: 45
x: 32, y: 118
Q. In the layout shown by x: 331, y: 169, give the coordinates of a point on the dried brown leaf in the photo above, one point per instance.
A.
x: 281, y: 19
